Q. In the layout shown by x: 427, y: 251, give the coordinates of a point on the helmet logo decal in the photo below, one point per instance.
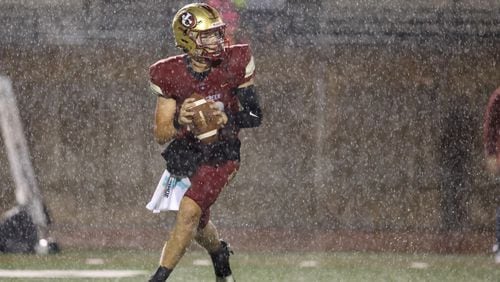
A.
x: 188, y: 20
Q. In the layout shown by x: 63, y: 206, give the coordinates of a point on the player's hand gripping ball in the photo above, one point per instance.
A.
x: 206, y: 120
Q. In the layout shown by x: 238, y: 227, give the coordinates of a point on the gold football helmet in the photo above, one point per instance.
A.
x: 199, y: 31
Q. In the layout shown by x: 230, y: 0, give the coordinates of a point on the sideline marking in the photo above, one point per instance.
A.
x: 70, y: 273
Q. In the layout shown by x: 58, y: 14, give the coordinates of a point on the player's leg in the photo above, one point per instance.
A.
x: 208, y: 237
x: 218, y: 250
x: 183, y: 233
x: 206, y: 185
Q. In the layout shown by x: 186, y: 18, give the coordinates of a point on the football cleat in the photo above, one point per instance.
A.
x: 225, y: 279
x: 220, y: 261
x: 160, y: 275
x: 496, y: 251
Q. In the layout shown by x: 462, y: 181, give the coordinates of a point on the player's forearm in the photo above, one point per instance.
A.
x: 249, y: 119
x: 164, y: 129
x: 251, y: 114
x: 164, y: 134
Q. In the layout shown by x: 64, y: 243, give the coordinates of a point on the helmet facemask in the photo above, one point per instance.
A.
x: 210, y: 44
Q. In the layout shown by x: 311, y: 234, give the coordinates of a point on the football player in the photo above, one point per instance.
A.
x: 222, y: 74
x: 491, y: 136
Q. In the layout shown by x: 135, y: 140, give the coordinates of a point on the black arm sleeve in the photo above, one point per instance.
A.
x: 250, y: 114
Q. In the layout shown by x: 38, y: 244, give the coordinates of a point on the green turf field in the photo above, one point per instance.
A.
x: 259, y: 267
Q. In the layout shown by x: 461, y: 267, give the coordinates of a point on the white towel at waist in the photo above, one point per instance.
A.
x: 168, y: 193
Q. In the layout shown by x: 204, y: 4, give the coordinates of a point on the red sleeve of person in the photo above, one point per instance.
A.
x: 492, y: 125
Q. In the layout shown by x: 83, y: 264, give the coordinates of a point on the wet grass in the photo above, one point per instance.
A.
x: 269, y: 266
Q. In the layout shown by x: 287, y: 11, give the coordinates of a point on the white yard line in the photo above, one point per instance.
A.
x: 419, y: 265
x: 202, y: 262
x: 70, y: 273
x: 308, y: 263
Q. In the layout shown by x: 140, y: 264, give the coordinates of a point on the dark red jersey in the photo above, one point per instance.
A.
x: 172, y: 77
x: 491, y: 126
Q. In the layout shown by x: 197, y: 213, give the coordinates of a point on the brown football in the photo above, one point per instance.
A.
x: 204, y: 121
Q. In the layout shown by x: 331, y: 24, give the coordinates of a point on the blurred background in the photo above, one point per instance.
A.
x: 372, y: 138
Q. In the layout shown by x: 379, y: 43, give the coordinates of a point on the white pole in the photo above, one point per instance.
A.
x: 27, y: 192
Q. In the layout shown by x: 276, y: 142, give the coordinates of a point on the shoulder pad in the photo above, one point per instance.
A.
x: 242, y: 61
x: 155, y: 89
x: 160, y: 74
